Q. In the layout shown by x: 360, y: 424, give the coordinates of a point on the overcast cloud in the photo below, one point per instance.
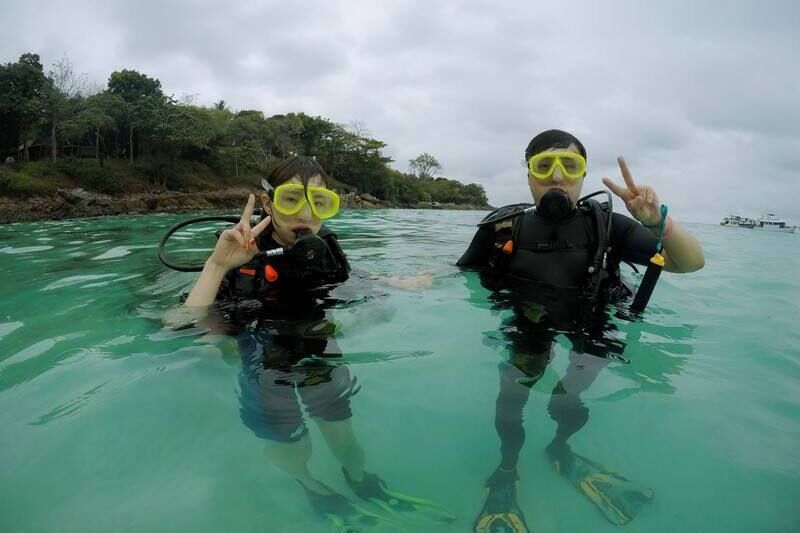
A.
x: 702, y: 98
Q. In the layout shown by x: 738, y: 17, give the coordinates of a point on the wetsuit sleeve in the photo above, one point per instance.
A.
x: 633, y: 242
x: 477, y: 255
x: 223, y: 293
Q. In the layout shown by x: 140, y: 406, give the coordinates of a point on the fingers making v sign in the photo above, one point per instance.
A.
x: 641, y: 200
x: 237, y: 245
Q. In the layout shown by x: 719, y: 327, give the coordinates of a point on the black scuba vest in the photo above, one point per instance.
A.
x: 557, y: 254
x: 267, y: 277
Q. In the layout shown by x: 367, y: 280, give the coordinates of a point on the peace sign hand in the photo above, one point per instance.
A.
x: 237, y: 245
x: 641, y: 200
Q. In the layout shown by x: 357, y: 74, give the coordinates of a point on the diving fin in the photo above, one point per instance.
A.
x: 373, y: 489
x: 346, y: 516
x: 500, y: 513
x: 619, y: 498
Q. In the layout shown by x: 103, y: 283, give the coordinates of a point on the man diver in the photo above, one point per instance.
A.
x: 560, y: 260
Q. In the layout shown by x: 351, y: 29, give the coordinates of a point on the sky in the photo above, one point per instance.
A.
x: 701, y: 98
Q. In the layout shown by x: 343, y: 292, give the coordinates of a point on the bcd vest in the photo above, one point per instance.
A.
x: 268, y: 277
x: 560, y: 254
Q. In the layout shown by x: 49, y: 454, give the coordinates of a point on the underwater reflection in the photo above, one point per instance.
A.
x: 533, y: 318
x: 295, y: 374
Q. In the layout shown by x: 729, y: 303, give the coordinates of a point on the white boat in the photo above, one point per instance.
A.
x: 735, y: 221
x: 770, y: 222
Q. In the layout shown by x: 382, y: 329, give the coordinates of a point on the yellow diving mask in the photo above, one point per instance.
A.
x: 543, y: 164
x: 290, y: 198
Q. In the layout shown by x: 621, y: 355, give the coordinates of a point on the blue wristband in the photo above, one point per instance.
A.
x: 660, y: 222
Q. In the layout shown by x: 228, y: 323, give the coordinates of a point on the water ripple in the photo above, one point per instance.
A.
x: 24, y: 250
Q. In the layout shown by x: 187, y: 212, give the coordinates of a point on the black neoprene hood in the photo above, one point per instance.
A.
x: 553, y: 139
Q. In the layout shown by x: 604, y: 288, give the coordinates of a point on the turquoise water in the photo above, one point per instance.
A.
x: 112, y: 423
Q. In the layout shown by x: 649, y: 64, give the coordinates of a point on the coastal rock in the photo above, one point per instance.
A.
x: 75, y: 196
x: 368, y: 198
x: 78, y: 203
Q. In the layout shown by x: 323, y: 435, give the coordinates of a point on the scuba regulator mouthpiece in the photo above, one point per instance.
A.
x: 555, y: 205
x: 307, y: 249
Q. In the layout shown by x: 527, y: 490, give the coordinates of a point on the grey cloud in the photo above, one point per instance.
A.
x: 700, y: 97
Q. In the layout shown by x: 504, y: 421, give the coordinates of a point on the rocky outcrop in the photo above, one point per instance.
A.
x: 78, y: 203
x: 355, y: 200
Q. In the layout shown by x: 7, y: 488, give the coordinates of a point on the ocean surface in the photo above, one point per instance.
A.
x: 110, y: 421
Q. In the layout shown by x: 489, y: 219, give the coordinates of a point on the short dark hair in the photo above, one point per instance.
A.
x: 552, y: 139
x: 299, y: 166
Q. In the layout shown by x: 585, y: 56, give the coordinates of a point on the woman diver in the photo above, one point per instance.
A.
x: 270, y: 282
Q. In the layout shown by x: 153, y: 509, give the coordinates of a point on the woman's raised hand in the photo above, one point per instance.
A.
x: 237, y: 245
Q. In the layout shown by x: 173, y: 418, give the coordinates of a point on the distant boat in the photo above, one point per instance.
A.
x: 768, y: 222
x: 736, y: 221
x: 771, y: 222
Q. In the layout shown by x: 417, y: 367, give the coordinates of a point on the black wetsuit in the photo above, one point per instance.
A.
x: 546, y: 272
x: 286, y: 342
x: 558, y: 253
x: 545, y: 280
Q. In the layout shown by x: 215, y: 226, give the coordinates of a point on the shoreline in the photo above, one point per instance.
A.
x: 79, y: 203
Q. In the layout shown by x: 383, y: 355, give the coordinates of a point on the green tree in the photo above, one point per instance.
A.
x: 364, y: 166
x: 131, y: 85
x: 288, y: 129
x: 424, y: 165
x: 250, y: 139
x: 21, y: 87
x: 319, y: 137
x: 179, y: 129
x: 475, y: 194
x: 219, y: 119
x: 410, y: 190
x: 142, y: 97
x: 100, y: 114
x: 60, y: 94
x: 328, y: 141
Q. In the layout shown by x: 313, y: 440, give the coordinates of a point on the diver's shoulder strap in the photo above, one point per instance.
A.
x: 600, y: 269
x: 504, y: 213
x: 506, y: 237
